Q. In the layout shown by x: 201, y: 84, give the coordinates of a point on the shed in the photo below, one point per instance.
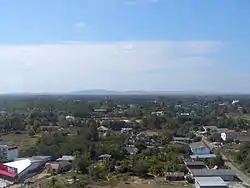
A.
x: 225, y: 174
x: 210, y: 182
x: 195, y: 165
x: 58, y: 167
x: 175, y: 176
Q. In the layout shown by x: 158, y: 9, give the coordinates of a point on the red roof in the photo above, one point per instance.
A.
x: 5, y: 173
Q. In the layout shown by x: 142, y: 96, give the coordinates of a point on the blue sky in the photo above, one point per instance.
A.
x: 172, y: 45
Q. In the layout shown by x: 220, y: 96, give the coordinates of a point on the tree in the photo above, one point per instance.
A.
x: 93, y: 132
x: 141, y: 168
x: 81, y: 163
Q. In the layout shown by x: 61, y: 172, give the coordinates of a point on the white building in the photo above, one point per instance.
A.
x: 127, y: 130
x: 8, y: 153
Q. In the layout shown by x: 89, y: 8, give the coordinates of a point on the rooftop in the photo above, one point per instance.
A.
x: 194, y: 163
x: 210, y: 181
x: 181, y: 138
x: 197, y: 145
x: 207, y: 156
x: 212, y: 172
x: 20, y: 165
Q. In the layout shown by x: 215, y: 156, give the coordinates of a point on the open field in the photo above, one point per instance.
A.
x: 22, y: 140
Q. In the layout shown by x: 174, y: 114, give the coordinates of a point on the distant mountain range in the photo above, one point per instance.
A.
x: 138, y: 92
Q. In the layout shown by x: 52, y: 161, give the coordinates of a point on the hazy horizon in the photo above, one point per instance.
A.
x: 66, y: 46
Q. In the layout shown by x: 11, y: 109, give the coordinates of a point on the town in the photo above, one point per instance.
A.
x: 78, y: 141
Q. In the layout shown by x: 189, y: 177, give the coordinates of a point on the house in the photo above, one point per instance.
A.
x: 199, y: 148
x: 68, y: 158
x: 70, y: 118
x: 210, y: 182
x: 175, y: 176
x: 233, y: 135
x: 103, y: 131
x: 127, y: 130
x: 57, y: 167
x: 104, y: 156
x: 195, y: 165
x: 131, y: 149
x: 225, y: 174
x: 103, y: 110
x: 181, y: 139
x: 158, y: 113
x: 235, y: 102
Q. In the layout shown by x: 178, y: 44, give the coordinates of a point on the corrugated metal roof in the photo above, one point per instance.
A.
x: 194, y: 163
x: 212, y: 172
x: 207, y: 156
x: 20, y: 165
x: 197, y: 145
x: 210, y: 181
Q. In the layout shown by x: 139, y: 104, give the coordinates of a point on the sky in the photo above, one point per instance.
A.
x: 59, y: 46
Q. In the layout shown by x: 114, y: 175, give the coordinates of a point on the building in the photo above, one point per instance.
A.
x: 58, y: 167
x: 199, y: 157
x: 8, y: 153
x: 127, y: 130
x: 233, y: 135
x: 175, y: 176
x: 21, y: 169
x: 181, y: 139
x: 225, y: 174
x: 68, y: 158
x: 199, y: 148
x: 103, y: 131
x: 210, y: 182
x: 195, y: 165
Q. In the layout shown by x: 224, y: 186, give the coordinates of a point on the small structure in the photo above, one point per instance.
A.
x: 68, y: 158
x: 195, y: 165
x: 131, y: 149
x: 105, y: 156
x: 175, y: 176
x: 103, y: 110
x: 58, y: 167
x: 181, y: 139
x: 158, y: 113
x: 127, y: 130
x: 210, y: 182
x: 70, y: 118
x: 199, y: 157
x: 103, y: 131
x: 233, y: 135
x: 199, y: 148
x: 225, y: 174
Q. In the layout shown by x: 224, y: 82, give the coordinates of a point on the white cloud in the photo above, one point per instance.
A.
x: 148, y: 65
x: 80, y: 25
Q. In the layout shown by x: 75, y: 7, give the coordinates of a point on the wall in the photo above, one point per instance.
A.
x: 12, y: 154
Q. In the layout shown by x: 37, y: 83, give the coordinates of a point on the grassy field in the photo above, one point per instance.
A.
x: 23, y: 141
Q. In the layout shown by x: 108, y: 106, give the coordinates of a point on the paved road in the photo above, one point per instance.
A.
x: 244, y: 178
